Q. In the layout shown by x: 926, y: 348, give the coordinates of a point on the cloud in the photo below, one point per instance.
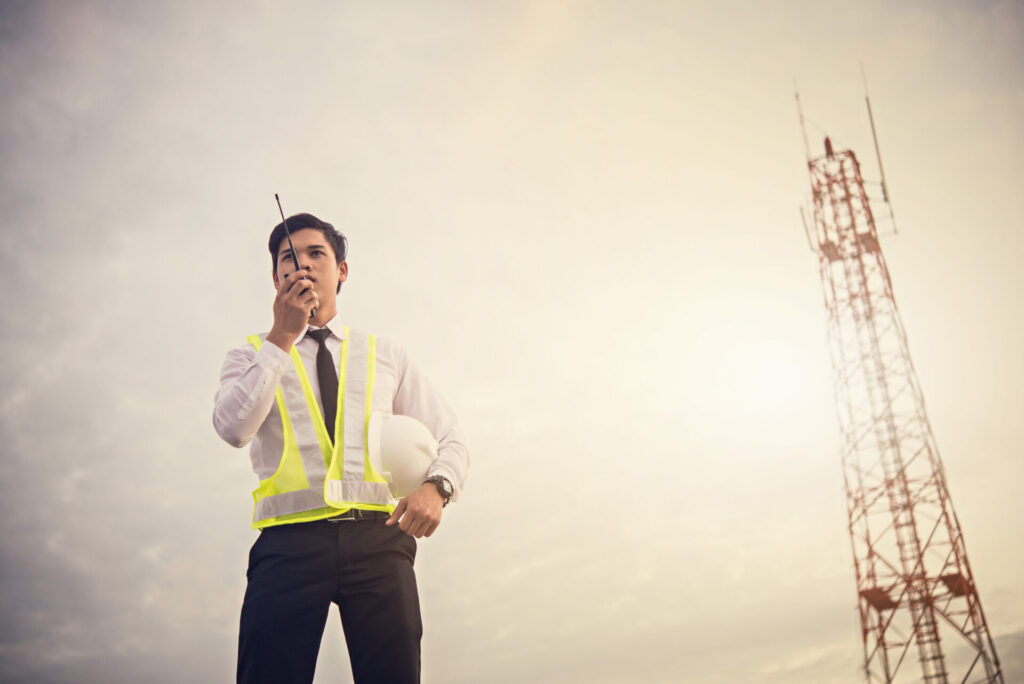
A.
x: 581, y: 223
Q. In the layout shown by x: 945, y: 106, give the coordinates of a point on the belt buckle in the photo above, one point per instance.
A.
x: 357, y: 514
x: 348, y: 516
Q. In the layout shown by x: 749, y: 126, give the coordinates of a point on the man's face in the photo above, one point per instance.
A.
x: 317, y: 257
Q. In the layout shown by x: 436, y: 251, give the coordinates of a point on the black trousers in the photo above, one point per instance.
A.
x: 295, y: 573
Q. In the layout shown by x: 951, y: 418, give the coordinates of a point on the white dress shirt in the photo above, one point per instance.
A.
x: 245, y: 410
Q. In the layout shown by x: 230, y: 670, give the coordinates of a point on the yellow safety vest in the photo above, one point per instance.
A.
x: 315, y: 478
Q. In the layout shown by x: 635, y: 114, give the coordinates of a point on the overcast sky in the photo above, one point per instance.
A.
x: 581, y: 218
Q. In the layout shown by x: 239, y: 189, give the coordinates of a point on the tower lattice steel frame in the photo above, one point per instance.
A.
x: 915, y: 589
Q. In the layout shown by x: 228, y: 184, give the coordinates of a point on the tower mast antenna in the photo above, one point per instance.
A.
x: 916, y: 592
x: 878, y: 153
x: 807, y: 153
x: 803, y: 126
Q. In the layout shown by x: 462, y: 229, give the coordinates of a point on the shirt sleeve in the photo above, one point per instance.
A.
x: 248, y: 381
x: 418, y: 398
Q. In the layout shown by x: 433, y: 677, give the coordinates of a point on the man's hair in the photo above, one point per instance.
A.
x: 299, y: 222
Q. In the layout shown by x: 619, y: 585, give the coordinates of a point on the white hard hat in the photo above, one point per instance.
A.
x: 404, y: 448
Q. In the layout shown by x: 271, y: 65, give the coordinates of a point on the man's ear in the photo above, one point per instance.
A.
x: 273, y: 274
x: 342, y: 271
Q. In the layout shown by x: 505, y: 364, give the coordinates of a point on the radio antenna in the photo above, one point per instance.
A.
x: 288, y: 234
x: 803, y: 127
x: 878, y: 153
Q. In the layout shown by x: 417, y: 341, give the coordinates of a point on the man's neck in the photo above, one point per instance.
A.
x: 322, y: 317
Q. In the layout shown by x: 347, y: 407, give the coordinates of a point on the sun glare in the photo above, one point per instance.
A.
x: 768, y: 379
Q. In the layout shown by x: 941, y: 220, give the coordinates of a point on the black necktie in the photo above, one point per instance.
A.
x: 328, y: 378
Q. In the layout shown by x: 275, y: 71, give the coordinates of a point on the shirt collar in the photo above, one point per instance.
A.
x: 335, y: 324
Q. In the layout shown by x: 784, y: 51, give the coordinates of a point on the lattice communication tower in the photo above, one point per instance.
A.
x: 916, y: 594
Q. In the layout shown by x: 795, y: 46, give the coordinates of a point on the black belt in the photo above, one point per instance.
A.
x: 354, y: 514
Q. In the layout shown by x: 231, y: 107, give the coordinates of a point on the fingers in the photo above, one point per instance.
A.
x: 418, y: 528
x: 294, y: 304
x: 295, y: 282
x: 306, y: 295
x: 297, y: 291
x: 416, y: 520
x: 289, y: 280
x: 307, y: 299
x: 399, y: 510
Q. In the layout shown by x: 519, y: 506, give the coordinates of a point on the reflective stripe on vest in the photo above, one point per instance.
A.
x: 315, y: 478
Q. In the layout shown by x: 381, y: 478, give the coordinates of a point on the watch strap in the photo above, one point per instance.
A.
x: 443, y: 486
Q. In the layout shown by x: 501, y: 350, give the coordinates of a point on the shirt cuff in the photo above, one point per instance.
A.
x: 271, y: 357
x: 446, y: 473
x: 271, y: 361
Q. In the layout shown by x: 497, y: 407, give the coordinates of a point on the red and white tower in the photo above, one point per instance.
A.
x: 916, y: 593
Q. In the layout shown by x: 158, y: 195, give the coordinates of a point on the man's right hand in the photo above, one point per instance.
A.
x: 293, y: 304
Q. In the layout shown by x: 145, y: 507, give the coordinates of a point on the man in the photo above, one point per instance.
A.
x: 331, y: 532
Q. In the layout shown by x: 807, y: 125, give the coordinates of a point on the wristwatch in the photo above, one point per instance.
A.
x: 444, y: 487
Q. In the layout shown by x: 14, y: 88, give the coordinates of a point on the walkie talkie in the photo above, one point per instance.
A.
x: 288, y: 234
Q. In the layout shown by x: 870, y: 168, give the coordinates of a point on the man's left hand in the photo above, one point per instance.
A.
x: 419, y: 514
